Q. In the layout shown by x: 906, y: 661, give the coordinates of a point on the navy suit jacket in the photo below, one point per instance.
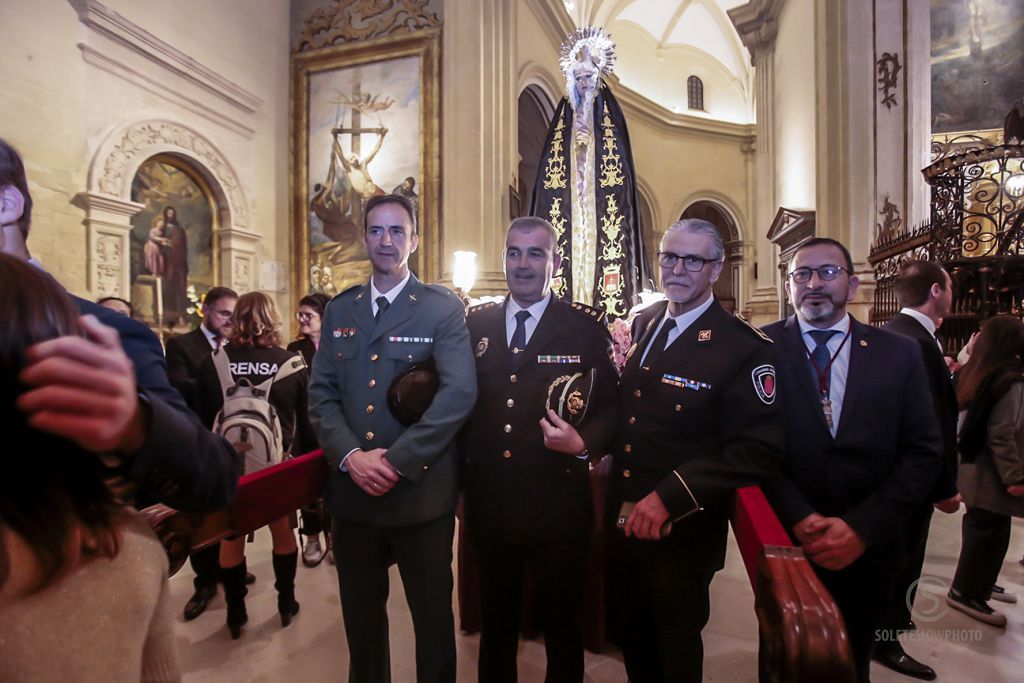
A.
x: 883, y: 462
x: 182, y: 463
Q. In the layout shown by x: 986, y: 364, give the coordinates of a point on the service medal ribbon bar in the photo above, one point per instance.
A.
x: 684, y: 383
x: 412, y: 340
x: 558, y: 359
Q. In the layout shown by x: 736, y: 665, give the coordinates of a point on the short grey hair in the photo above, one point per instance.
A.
x: 532, y: 222
x: 697, y: 226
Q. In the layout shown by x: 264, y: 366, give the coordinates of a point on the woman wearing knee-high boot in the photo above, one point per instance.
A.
x: 990, y: 391
x: 254, y: 352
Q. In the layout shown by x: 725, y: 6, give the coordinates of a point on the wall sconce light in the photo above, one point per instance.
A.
x: 1015, y: 185
x: 464, y: 272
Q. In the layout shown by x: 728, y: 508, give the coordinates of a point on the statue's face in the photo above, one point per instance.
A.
x: 585, y: 77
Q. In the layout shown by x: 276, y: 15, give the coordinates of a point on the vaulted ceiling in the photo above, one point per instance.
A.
x: 660, y: 43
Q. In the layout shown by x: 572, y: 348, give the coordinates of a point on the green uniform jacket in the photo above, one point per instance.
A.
x: 352, y: 370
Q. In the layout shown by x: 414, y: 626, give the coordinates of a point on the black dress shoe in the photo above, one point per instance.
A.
x: 250, y: 578
x: 196, y: 605
x: 892, y: 656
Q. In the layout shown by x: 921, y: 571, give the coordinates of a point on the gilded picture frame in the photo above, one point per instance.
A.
x: 365, y: 121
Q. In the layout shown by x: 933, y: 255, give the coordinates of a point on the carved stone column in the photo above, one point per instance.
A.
x: 108, y: 222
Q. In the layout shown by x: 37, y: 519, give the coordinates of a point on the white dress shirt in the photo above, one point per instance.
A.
x: 840, y: 366
x: 679, y: 324
x: 926, y: 322
x: 391, y: 295
x: 536, y: 310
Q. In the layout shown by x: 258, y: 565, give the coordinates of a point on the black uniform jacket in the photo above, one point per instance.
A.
x: 884, y: 459
x: 698, y: 423
x: 514, y: 486
x: 943, y: 398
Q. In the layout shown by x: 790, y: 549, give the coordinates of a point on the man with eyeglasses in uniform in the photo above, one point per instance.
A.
x: 862, y: 441
x: 699, y: 419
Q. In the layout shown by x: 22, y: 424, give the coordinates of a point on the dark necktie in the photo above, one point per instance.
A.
x: 659, y: 344
x: 519, y: 336
x: 382, y: 303
x: 820, y: 358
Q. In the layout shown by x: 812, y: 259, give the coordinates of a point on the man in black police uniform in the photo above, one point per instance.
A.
x: 392, y: 489
x: 158, y: 442
x: 698, y: 420
x: 185, y: 355
x: 924, y: 292
x: 526, y: 475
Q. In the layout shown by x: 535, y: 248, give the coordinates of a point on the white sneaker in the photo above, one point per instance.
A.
x: 312, y: 554
x: 977, y: 609
x: 1002, y: 595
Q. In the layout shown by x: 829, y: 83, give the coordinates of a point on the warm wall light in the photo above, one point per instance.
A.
x: 1015, y: 186
x: 464, y: 271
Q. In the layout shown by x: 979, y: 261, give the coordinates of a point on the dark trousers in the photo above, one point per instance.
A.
x: 423, y: 553
x: 904, y: 588
x: 861, y: 594
x: 659, y: 601
x: 986, y: 537
x: 557, y: 568
x: 206, y: 564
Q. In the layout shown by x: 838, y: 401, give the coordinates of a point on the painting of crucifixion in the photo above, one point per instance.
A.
x: 364, y: 140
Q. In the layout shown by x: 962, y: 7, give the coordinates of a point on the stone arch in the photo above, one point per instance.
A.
x: 109, y: 208
x: 535, y: 110
x: 729, y: 288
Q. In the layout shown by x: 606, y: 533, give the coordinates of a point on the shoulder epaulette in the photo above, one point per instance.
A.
x: 756, y: 330
x: 439, y: 289
x: 487, y: 305
x: 592, y: 312
x: 343, y: 293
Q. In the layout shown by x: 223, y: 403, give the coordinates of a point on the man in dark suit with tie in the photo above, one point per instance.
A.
x: 151, y: 436
x: 698, y: 419
x: 185, y: 354
x: 526, y: 476
x: 863, y: 443
x: 392, y: 487
x: 924, y: 292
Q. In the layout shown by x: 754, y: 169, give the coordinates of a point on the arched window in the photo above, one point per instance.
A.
x: 695, y: 93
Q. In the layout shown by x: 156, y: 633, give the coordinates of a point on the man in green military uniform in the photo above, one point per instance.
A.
x: 527, y: 480
x: 393, y: 488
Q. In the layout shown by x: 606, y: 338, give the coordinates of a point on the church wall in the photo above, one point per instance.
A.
x: 76, y: 86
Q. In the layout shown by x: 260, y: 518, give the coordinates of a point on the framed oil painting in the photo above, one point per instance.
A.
x: 172, y: 239
x: 365, y: 122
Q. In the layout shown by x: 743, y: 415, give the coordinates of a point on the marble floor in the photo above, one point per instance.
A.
x: 313, y: 648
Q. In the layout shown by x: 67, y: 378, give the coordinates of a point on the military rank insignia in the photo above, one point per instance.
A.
x: 704, y: 336
x: 481, y: 346
x: 558, y: 360
x: 764, y: 383
x: 684, y: 383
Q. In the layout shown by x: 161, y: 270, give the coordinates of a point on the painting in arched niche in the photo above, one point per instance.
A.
x: 172, y: 255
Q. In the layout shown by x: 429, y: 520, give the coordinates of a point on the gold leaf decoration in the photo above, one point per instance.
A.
x: 554, y: 173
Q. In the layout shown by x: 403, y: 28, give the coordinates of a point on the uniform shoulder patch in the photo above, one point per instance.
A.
x: 590, y: 312
x: 479, y: 308
x: 753, y: 328
x: 350, y: 289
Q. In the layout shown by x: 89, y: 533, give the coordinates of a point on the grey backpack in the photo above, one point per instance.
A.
x: 247, y: 420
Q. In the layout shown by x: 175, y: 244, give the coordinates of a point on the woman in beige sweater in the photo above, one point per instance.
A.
x: 83, y: 580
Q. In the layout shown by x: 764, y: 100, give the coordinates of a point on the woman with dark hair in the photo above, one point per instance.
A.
x: 70, y: 552
x: 254, y: 353
x: 990, y: 392
x: 309, y: 317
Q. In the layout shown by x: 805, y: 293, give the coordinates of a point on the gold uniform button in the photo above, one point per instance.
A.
x: 507, y: 454
x: 369, y: 436
x: 510, y: 403
x: 409, y: 356
x: 626, y: 474
x: 508, y: 428
x: 512, y: 379
x: 631, y: 420
x: 374, y: 356
x: 679, y: 408
x: 373, y: 383
x: 628, y: 448
x: 426, y: 467
x: 636, y: 393
x: 369, y: 409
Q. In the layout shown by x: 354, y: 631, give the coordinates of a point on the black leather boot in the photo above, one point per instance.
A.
x: 284, y: 582
x: 234, y: 595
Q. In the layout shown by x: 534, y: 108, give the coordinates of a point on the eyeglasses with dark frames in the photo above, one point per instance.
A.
x: 691, y: 263
x: 827, y: 272
x: 305, y: 316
